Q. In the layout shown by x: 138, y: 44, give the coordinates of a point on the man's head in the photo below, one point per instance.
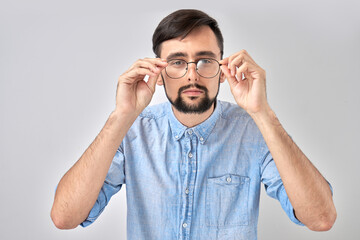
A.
x: 189, y: 35
x: 180, y: 23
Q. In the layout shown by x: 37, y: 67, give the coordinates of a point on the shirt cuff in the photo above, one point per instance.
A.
x: 286, y: 205
x: 93, y: 215
x: 293, y: 217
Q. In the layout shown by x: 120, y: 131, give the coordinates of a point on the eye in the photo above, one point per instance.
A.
x: 206, y: 61
x: 177, y: 63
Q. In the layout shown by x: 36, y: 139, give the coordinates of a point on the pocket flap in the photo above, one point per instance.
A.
x: 229, y: 179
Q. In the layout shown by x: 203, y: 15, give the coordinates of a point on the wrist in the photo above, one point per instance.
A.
x: 266, y: 115
x: 261, y: 111
x: 124, y: 116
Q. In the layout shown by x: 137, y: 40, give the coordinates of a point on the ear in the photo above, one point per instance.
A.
x: 160, y: 80
x: 222, y: 77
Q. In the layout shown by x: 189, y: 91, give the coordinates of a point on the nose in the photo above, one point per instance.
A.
x: 192, y: 74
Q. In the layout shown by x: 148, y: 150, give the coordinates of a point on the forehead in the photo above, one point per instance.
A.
x: 201, y: 39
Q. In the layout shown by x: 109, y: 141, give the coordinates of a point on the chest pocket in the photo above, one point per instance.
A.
x: 227, y: 201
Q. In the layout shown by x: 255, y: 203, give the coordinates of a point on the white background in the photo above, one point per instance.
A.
x: 59, y: 64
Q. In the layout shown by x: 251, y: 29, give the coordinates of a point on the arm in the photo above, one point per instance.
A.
x: 79, y: 188
x: 308, y: 191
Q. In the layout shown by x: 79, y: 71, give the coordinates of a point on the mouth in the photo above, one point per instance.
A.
x: 193, y: 92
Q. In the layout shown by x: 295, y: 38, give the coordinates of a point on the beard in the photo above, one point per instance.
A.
x: 201, y: 107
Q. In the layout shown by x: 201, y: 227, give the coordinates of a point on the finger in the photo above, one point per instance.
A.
x: 242, y: 70
x: 157, y: 61
x: 245, y: 56
x: 152, y: 82
x: 249, y: 58
x: 139, y: 72
x: 231, y: 79
x: 224, y: 61
x: 233, y: 68
x: 150, y: 64
x: 239, y: 75
x: 235, y: 61
x: 157, y: 70
x: 228, y: 63
x: 145, y: 64
x: 245, y: 64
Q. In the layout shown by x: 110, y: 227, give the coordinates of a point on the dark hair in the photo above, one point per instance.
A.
x: 180, y: 23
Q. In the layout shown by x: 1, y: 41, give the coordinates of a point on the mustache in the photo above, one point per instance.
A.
x: 195, y: 85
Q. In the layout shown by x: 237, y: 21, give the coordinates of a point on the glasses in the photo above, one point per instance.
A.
x: 205, y: 67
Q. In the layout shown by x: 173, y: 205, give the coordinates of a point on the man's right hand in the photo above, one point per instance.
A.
x: 133, y: 93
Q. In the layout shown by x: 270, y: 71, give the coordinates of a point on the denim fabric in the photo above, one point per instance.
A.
x: 192, y: 183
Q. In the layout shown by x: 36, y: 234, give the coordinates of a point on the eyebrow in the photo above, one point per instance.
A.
x: 175, y: 55
x: 198, y: 54
x: 206, y: 53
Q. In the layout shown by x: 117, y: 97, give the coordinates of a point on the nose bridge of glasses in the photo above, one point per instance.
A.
x: 192, y: 72
x: 196, y: 65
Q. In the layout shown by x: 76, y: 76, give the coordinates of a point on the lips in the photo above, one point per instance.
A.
x: 193, y: 91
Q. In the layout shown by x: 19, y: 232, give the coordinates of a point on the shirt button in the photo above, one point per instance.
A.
x: 176, y: 136
x: 184, y: 225
x: 190, y: 132
x: 187, y: 191
x: 190, y: 155
x: 228, y: 179
x: 201, y: 139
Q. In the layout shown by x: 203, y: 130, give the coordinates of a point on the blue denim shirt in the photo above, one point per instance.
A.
x: 192, y: 183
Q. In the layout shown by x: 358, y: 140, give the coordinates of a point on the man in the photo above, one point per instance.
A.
x: 193, y: 167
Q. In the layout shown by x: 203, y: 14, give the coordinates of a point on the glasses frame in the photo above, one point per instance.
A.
x: 196, y: 62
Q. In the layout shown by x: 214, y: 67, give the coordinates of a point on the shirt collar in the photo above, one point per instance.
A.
x: 202, y: 130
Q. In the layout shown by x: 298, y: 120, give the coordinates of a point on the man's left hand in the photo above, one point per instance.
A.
x: 249, y: 92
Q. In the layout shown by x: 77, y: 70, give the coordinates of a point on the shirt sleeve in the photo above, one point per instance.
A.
x: 274, y: 187
x: 112, y: 184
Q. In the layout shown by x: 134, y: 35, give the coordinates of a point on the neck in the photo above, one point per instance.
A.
x: 192, y: 119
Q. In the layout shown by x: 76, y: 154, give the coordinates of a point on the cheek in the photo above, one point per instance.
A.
x: 171, y: 89
x: 213, y: 89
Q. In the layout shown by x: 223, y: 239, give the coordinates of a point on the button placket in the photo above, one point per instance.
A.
x: 187, y: 204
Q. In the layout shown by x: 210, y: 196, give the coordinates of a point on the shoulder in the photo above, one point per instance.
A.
x: 235, y: 116
x: 154, y: 112
x: 232, y: 111
x: 152, y: 116
x: 241, y: 126
x: 151, y: 121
